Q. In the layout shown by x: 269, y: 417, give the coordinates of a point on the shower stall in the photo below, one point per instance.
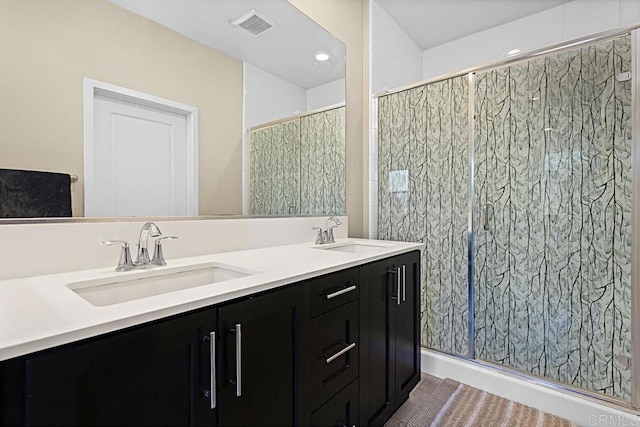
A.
x: 519, y: 177
x: 297, y: 165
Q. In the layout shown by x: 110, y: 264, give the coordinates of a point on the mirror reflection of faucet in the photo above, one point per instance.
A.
x: 142, y: 261
x: 326, y: 235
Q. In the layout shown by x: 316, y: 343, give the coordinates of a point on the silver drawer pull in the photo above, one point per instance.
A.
x: 341, y: 291
x: 341, y: 352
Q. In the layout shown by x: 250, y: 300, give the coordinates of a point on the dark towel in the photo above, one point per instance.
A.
x: 34, y: 194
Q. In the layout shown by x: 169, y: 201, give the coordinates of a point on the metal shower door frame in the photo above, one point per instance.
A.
x: 634, y: 32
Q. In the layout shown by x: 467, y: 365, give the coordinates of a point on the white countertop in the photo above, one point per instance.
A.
x: 42, y: 312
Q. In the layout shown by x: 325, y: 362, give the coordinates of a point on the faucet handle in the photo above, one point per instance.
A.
x: 335, y: 220
x: 158, y: 255
x: 330, y: 238
x: 321, y: 237
x: 125, y: 262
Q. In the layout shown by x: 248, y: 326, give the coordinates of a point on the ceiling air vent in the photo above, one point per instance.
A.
x: 254, y: 22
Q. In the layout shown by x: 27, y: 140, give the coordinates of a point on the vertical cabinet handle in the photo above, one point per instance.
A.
x: 238, y: 359
x: 398, y: 284
x: 396, y: 271
x: 212, y: 356
x: 404, y: 283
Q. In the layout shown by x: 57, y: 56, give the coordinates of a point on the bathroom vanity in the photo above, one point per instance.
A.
x: 307, y: 335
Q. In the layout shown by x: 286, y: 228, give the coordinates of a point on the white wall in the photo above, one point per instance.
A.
x: 562, y: 23
x: 268, y: 97
x: 325, y: 95
x: 36, y: 249
x: 396, y: 59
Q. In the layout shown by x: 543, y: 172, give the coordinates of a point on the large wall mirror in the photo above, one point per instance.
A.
x: 140, y: 108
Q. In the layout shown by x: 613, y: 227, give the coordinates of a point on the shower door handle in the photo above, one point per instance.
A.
x: 485, y: 217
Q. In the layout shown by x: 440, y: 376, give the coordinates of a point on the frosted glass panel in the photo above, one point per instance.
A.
x: 423, y: 172
x: 322, y: 166
x: 298, y: 166
x: 552, y: 261
x: 552, y: 210
x: 274, y: 187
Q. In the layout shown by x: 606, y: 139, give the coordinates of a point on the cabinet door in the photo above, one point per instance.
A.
x: 265, y: 359
x: 407, y: 330
x: 149, y: 375
x: 377, y: 321
x: 389, y: 319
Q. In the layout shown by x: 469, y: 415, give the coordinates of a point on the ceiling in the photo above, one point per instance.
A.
x: 434, y: 22
x: 286, y: 50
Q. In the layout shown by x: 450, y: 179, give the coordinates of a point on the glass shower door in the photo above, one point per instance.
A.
x: 552, y: 217
x: 423, y: 174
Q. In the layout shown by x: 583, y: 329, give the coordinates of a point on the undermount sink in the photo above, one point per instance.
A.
x: 355, y: 247
x: 146, y: 283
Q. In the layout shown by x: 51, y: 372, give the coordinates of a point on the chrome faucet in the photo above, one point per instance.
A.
x: 149, y: 229
x: 125, y: 263
x: 329, y: 230
x: 326, y: 235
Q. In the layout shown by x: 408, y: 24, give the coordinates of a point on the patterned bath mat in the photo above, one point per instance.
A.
x: 456, y: 404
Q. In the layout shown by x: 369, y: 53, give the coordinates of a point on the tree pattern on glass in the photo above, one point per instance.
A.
x: 552, y: 267
x: 322, y: 164
x: 298, y: 166
x: 423, y: 174
x: 274, y: 156
x: 552, y: 211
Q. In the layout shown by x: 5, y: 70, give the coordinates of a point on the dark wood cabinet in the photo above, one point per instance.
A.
x: 334, y: 351
x: 264, y: 375
x: 341, y: 410
x: 389, y: 319
x: 340, y: 349
x: 156, y: 374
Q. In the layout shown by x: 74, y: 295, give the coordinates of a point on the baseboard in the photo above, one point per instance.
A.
x: 582, y: 410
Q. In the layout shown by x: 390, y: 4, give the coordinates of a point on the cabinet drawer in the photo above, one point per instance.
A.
x: 334, y: 290
x: 341, y: 410
x: 334, y: 349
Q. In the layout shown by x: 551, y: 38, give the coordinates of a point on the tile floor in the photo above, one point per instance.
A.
x: 423, y: 390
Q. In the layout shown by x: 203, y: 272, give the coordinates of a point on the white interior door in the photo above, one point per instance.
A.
x: 140, y: 160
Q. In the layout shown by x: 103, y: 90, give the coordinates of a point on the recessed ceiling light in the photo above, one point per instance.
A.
x: 322, y: 56
x: 513, y: 51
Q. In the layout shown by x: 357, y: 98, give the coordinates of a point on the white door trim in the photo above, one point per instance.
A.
x: 94, y: 87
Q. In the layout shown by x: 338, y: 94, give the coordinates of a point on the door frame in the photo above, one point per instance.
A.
x: 91, y: 88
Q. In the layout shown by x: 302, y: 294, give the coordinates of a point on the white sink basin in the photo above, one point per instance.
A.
x: 355, y: 247
x: 145, y: 283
